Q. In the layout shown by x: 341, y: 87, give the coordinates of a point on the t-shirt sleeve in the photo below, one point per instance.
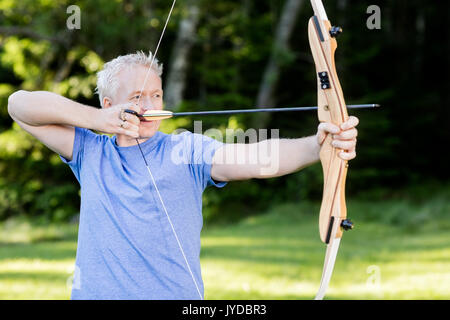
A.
x: 83, y: 137
x: 200, y: 153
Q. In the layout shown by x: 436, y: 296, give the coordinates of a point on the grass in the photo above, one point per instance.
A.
x: 398, y: 250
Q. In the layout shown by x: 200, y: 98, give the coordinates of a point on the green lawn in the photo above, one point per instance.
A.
x: 398, y: 250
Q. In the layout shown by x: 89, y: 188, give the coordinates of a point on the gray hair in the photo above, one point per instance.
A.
x: 107, y: 80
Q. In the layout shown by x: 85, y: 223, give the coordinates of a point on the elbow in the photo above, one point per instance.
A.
x: 14, y: 101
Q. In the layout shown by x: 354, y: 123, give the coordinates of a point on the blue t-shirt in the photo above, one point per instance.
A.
x: 126, y: 246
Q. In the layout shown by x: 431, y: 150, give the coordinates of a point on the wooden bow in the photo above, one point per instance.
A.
x: 331, y: 108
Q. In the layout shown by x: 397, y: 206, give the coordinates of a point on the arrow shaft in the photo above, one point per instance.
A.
x: 238, y: 111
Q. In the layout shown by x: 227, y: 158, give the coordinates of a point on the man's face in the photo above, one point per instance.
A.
x: 129, y: 90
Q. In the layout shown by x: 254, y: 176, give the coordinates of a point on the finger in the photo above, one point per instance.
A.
x: 344, y: 145
x: 347, y: 155
x: 125, y: 112
x: 350, y: 123
x: 134, y: 107
x: 131, y: 115
x: 133, y: 119
x: 329, y: 128
x: 346, y: 135
x: 129, y: 126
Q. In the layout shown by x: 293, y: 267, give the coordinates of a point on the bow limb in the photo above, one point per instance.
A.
x: 328, y: 265
x: 331, y: 108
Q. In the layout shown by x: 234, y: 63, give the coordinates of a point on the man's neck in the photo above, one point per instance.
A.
x: 123, y: 141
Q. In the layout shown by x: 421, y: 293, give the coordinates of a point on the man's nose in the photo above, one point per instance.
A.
x: 147, y: 104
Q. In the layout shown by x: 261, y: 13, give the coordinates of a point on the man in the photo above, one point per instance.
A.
x: 132, y: 244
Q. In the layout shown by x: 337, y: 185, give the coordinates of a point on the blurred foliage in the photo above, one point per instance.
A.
x: 398, y: 66
x: 33, y: 180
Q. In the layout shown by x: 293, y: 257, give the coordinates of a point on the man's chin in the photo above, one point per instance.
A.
x: 148, y: 129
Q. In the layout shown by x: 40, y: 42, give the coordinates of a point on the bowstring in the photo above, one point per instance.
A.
x: 148, y: 167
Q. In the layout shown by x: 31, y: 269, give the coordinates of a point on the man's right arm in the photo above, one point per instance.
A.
x: 51, y: 118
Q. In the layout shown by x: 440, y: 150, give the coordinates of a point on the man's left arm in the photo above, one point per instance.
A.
x: 278, y: 157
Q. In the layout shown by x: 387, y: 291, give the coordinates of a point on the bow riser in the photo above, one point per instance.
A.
x: 333, y: 199
x: 332, y: 109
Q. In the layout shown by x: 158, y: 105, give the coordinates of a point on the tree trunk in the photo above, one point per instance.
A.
x: 175, y: 81
x: 271, y: 75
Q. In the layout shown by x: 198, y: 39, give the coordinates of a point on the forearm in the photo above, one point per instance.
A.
x: 40, y: 108
x: 278, y: 157
x: 296, y: 154
x: 288, y: 156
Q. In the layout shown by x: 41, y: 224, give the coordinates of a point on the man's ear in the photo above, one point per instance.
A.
x: 107, y: 102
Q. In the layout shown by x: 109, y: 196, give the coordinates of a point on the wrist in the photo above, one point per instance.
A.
x: 92, y: 117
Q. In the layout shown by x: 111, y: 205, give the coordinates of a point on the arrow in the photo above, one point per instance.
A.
x: 154, y: 115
